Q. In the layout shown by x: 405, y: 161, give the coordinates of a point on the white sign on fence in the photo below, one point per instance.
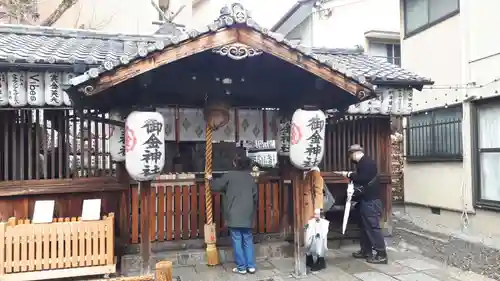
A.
x: 91, y: 210
x: 44, y: 211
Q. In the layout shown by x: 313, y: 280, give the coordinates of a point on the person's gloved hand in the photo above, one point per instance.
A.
x: 344, y: 173
x: 208, y: 176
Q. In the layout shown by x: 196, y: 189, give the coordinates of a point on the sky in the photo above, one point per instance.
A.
x: 268, y: 12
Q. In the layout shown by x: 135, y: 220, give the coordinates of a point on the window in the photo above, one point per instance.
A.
x: 435, y: 135
x: 389, y: 51
x: 488, y: 144
x: 393, y: 53
x: 420, y: 14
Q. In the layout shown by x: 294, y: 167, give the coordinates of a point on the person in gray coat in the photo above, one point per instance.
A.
x: 239, y: 191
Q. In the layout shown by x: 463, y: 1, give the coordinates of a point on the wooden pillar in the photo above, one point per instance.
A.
x: 124, y: 207
x: 285, y: 173
x: 298, y: 202
x: 164, y: 271
x: 145, y: 192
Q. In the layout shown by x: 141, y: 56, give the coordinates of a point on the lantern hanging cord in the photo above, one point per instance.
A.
x: 208, y: 171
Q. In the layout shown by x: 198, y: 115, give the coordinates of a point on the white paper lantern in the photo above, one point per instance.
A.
x: 307, y: 138
x: 144, y: 145
x: 386, y: 103
x: 34, y: 81
x: 65, y: 80
x: 364, y: 107
x: 354, y: 109
x: 283, y: 137
x: 375, y: 105
x: 117, y: 138
x: 53, y: 90
x: 4, y: 92
x: 16, y: 83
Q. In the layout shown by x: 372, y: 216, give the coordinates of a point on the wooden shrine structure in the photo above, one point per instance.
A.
x: 61, y: 151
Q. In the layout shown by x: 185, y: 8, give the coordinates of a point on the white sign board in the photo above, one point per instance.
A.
x: 44, y: 211
x: 91, y: 210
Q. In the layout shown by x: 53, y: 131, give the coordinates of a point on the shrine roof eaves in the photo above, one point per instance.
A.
x: 102, y: 52
x: 377, y: 71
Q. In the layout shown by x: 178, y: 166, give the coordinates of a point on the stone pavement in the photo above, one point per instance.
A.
x: 404, y: 265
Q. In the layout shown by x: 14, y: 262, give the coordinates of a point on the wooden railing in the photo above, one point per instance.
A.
x: 179, y: 211
x: 66, y: 248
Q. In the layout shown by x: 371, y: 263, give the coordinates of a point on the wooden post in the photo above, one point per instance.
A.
x: 298, y: 202
x: 3, y: 228
x: 164, y: 271
x: 145, y: 192
x: 124, y: 210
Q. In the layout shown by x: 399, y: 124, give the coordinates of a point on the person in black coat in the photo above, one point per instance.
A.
x: 369, y: 206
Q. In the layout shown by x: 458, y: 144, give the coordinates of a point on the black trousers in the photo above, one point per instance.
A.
x: 370, y: 213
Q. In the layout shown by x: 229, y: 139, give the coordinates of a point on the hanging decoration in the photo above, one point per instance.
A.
x: 16, y: 82
x: 67, y: 76
x: 35, y: 82
x: 34, y: 88
x: 117, y: 138
x: 4, y: 93
x: 283, y: 139
x: 53, y: 90
x: 144, y: 145
x: 237, y: 51
x: 307, y: 138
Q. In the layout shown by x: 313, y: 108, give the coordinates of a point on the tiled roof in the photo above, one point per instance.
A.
x: 103, y: 52
x: 47, y: 45
x: 376, y: 70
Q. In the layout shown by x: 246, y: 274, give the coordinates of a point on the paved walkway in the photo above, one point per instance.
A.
x: 404, y: 266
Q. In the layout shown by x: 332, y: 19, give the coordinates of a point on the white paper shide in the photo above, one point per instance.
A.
x: 144, y: 145
x: 117, y: 138
x: 307, y: 138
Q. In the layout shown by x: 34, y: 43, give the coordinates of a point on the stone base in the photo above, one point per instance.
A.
x: 131, y: 264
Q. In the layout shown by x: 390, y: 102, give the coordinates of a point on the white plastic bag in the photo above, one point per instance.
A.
x: 316, y: 237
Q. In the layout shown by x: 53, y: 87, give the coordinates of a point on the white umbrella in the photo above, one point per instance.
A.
x: 347, y: 208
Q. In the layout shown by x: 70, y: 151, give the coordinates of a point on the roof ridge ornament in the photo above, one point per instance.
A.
x: 236, y: 12
x: 237, y: 51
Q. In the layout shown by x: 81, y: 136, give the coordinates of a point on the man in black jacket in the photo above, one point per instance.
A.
x: 369, y: 206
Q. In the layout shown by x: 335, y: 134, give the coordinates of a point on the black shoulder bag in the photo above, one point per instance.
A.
x: 359, y: 189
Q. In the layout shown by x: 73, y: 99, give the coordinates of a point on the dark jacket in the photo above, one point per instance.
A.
x: 366, y: 172
x: 239, y: 191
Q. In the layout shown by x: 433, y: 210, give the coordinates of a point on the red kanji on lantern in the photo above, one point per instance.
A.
x: 295, y: 134
x: 130, y: 139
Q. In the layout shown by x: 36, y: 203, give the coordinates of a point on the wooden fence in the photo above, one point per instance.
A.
x: 66, y: 248
x: 179, y: 211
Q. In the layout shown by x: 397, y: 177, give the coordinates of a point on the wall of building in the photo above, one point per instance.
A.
x: 441, y: 62
x: 350, y: 19
x: 463, y: 49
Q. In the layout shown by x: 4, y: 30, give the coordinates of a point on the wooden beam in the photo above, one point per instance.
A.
x: 59, y: 186
x: 257, y: 40
x: 170, y: 54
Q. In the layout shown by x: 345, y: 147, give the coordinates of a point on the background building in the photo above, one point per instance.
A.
x: 453, y: 148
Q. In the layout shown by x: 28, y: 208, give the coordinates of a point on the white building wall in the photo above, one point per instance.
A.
x: 350, y: 19
x: 459, y: 50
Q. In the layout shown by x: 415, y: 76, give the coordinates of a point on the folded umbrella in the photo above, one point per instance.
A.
x: 347, y: 208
